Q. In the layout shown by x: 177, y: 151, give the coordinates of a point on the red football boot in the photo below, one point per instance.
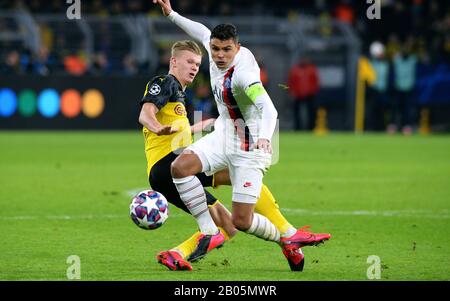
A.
x: 303, y: 238
x: 205, y: 244
x: 295, y: 257
x: 173, y: 261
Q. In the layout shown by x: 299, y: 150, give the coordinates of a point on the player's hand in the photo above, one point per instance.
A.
x: 165, y: 6
x: 264, y: 145
x: 165, y: 130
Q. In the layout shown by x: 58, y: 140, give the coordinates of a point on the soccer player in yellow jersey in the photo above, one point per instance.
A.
x: 166, y: 131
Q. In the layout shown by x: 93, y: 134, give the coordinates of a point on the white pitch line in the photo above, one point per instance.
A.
x: 132, y: 192
x: 319, y: 181
x: 443, y: 214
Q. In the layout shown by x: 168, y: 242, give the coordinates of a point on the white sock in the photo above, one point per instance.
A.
x: 193, y: 195
x: 261, y: 227
x: 291, y: 231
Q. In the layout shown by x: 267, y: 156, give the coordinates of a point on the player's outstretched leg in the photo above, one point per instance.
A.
x: 192, y: 193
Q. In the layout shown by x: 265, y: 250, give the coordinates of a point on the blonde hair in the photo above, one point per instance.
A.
x: 186, y: 45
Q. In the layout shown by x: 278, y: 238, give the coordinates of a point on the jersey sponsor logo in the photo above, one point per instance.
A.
x: 180, y: 110
x: 155, y: 89
x: 248, y: 184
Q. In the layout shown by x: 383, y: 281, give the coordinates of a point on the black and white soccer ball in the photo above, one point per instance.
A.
x: 149, y: 209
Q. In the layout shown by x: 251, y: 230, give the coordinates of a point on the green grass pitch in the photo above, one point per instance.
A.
x: 67, y: 193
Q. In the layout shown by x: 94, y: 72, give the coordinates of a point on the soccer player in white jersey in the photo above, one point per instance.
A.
x: 239, y: 142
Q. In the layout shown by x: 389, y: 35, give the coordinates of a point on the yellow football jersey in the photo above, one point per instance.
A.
x: 167, y: 94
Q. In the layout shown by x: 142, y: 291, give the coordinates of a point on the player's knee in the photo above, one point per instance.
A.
x: 180, y: 168
x: 177, y: 170
x: 184, y: 166
x: 241, y: 223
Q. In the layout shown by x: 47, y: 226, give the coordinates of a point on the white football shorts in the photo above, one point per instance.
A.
x: 246, y: 168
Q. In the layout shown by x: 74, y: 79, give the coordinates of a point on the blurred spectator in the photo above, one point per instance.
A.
x: 377, y: 94
x: 46, y: 35
x: 57, y: 6
x: 12, y: 63
x: 325, y: 26
x: 129, y: 65
x: 303, y: 82
x: 263, y: 72
x: 42, y: 62
x: 404, y: 67
x: 75, y: 65
x: 116, y: 7
x: 134, y: 6
x: 185, y: 6
x: 100, y: 65
x: 225, y: 9
x: 203, y: 101
x: 98, y: 8
x: 164, y: 58
x: 35, y: 6
x: 344, y: 12
x: 205, y: 8
x: 393, y: 46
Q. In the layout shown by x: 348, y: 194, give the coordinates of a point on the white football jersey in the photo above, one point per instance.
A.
x: 241, y: 118
x: 238, y: 115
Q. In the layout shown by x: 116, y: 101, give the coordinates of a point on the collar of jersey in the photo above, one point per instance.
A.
x: 175, y: 78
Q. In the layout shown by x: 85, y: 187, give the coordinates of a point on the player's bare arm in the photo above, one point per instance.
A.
x: 165, y: 6
x: 147, y: 118
x: 202, y: 125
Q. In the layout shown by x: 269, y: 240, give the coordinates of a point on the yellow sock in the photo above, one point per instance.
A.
x: 225, y: 234
x: 267, y: 206
x: 188, y: 246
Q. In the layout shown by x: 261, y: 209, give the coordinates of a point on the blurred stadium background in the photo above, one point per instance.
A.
x: 89, y: 73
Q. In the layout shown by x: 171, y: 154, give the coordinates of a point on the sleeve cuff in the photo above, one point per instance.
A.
x: 173, y: 14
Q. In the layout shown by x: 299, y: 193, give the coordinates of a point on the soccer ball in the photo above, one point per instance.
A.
x: 149, y: 209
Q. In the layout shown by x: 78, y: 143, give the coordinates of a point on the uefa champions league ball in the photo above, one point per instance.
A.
x: 149, y: 209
